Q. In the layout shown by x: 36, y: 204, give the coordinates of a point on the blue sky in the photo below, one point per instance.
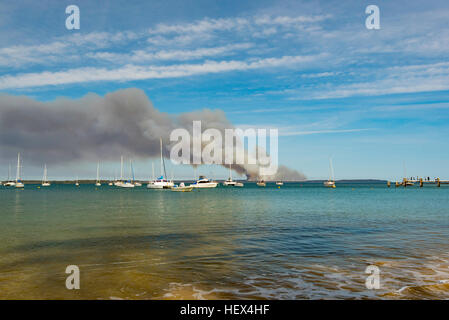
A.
x: 371, y: 99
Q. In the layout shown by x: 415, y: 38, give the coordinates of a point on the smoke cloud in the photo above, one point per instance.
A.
x: 94, y: 127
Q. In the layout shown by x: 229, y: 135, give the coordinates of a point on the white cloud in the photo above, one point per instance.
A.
x: 133, y: 72
x: 140, y: 56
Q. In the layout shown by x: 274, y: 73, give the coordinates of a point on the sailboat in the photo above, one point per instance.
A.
x: 77, y: 184
x: 121, y: 183
x: 331, y: 182
x: 98, y: 183
x: 161, y: 182
x: 137, y: 184
x: 117, y: 183
x: 45, y: 182
x: 230, y: 182
x: 151, y: 182
x: 19, y: 183
x: 9, y: 183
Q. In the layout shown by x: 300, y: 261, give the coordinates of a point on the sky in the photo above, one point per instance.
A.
x: 376, y: 101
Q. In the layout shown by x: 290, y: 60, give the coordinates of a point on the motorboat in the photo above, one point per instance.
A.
x: 182, y: 188
x: 203, y: 182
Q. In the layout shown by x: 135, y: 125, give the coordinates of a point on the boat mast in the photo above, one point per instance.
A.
x: 18, y: 168
x: 132, y: 170
x: 332, y: 169
x: 98, y: 171
x: 152, y: 169
x: 230, y: 173
x: 44, y: 178
x: 162, y: 162
x: 9, y: 173
x: 121, y: 168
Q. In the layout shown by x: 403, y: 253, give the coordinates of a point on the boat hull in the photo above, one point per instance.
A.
x: 205, y: 185
x: 182, y: 189
x: 329, y: 184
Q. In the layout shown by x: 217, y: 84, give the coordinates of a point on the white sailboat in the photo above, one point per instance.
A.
x: 135, y: 183
x: 121, y: 183
x: 161, y: 182
x: 77, y: 184
x: 10, y: 183
x: 98, y: 183
x: 18, y: 183
x: 45, y: 182
x: 331, y: 182
x: 117, y: 183
x: 151, y: 182
x: 229, y: 181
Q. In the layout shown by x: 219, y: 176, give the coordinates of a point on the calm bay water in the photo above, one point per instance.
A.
x: 298, y: 242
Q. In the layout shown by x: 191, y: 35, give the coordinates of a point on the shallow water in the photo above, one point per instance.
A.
x: 302, y: 241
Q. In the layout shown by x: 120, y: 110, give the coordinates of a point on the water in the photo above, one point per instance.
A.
x: 302, y: 241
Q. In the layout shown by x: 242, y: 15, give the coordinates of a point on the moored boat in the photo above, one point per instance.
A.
x: 331, y: 182
x: 203, y: 182
x: 261, y: 183
x: 182, y: 188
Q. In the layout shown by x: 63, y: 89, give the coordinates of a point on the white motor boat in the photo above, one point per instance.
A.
x: 160, y: 183
x: 203, y: 182
x: 182, y: 188
x: 279, y: 183
x: 261, y: 183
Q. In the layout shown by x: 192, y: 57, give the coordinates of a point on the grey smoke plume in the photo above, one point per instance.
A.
x: 94, y: 127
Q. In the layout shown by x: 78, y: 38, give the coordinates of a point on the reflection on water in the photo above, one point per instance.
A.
x: 297, y: 242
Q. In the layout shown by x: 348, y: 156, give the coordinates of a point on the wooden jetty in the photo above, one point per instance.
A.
x: 421, y: 182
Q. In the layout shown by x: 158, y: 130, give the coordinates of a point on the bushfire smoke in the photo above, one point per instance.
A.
x: 95, y: 127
